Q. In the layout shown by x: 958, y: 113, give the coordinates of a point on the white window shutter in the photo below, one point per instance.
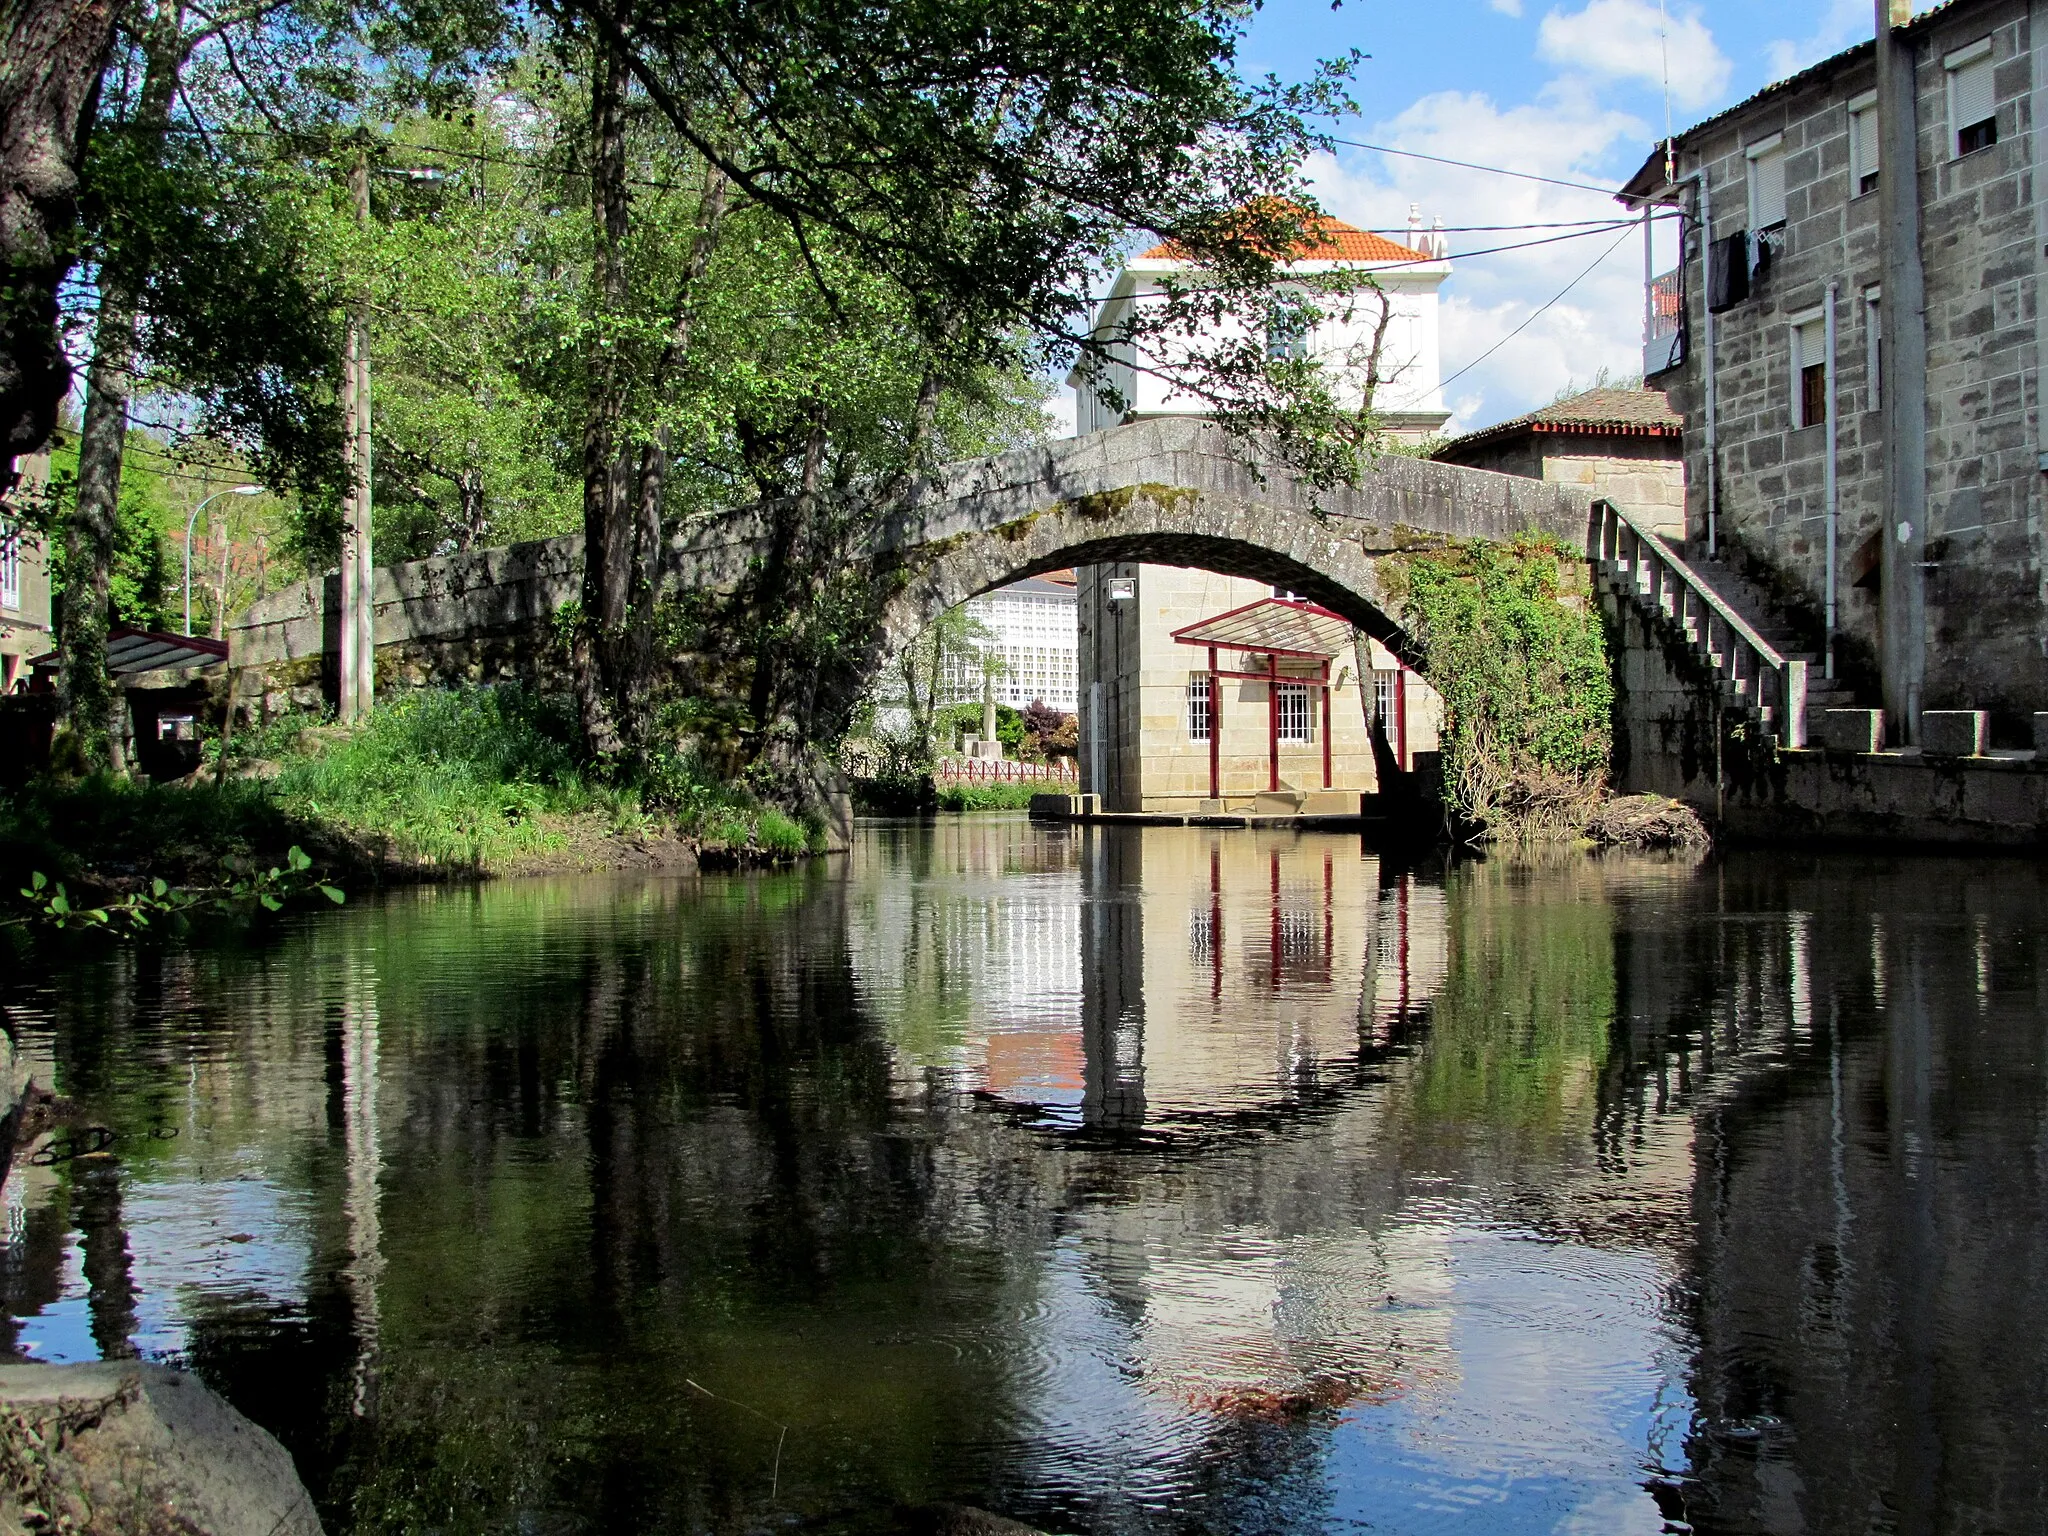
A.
x: 1767, y: 188
x: 1972, y: 94
x: 1862, y: 145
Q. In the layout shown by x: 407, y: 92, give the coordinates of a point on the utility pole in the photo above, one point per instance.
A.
x: 1903, y: 367
x: 358, y: 567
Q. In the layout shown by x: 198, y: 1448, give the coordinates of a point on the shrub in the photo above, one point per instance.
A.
x: 987, y: 797
x: 1521, y: 663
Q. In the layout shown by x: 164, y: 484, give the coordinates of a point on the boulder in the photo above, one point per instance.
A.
x: 119, y: 1448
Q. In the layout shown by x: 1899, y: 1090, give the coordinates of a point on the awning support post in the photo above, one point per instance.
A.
x: 1215, y: 730
x: 1272, y: 722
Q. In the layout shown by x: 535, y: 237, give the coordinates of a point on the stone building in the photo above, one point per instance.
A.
x: 1782, y: 351
x: 1203, y: 692
x: 1171, y: 725
x: 1627, y: 445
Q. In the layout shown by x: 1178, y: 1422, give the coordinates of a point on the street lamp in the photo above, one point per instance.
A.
x: 191, y: 522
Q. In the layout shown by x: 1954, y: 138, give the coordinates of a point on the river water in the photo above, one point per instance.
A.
x: 1133, y: 1180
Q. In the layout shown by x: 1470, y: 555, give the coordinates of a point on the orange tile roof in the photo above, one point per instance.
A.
x: 1338, y: 242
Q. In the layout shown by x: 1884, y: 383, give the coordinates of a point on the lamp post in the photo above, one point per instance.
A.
x: 193, y: 522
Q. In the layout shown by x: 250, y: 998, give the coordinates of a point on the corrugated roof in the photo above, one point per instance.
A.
x: 141, y: 650
x: 1329, y: 240
x: 1650, y: 177
x: 1593, y: 412
x: 1280, y: 626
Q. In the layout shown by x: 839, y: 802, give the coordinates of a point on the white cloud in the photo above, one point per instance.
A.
x: 1846, y: 22
x: 1569, y: 133
x: 1507, y: 7
x: 1633, y: 40
x: 1060, y: 407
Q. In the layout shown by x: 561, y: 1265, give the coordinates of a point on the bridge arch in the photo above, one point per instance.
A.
x: 1181, y: 492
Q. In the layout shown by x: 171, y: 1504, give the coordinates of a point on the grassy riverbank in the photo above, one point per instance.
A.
x: 436, y: 785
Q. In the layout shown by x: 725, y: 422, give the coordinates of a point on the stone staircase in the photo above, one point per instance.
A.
x: 1765, y: 617
x: 1721, y: 618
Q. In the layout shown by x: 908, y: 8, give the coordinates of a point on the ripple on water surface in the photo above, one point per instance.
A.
x: 1170, y: 1180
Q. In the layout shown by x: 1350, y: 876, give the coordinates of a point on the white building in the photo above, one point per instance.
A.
x: 1037, y: 639
x: 1397, y: 320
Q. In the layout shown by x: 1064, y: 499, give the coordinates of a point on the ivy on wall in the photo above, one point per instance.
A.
x: 1513, y: 643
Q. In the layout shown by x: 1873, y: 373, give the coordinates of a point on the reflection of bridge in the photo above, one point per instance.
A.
x: 1182, y: 985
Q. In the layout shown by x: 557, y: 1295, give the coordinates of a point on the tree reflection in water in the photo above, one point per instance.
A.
x: 1126, y: 1180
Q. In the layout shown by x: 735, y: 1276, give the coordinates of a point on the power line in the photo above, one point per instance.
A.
x: 1511, y: 335
x: 1470, y: 165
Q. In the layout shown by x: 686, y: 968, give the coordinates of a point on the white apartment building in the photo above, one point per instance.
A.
x: 1037, y: 640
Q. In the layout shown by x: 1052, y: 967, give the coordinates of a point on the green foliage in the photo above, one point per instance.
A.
x: 140, y: 584
x: 76, y: 827
x: 455, y: 776
x: 987, y: 797
x: 956, y: 720
x: 240, y: 889
x: 1521, y: 663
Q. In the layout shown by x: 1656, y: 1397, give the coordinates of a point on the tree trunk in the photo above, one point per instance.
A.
x: 86, y: 697
x: 605, y: 562
x: 51, y: 56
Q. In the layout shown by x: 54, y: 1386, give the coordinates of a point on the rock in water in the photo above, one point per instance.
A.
x: 120, y: 1448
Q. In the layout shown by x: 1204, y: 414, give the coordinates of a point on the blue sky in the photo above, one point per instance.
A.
x: 1572, y: 89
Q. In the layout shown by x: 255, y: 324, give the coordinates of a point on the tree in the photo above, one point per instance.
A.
x: 51, y: 55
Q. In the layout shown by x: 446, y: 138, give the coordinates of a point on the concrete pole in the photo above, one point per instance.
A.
x: 358, y: 654
x: 1903, y: 590
x: 1832, y: 483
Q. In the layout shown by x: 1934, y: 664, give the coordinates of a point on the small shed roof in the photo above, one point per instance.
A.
x: 1590, y: 413
x: 1278, y: 626
x: 143, y: 650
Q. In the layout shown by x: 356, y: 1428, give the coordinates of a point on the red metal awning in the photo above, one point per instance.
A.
x: 1277, y: 626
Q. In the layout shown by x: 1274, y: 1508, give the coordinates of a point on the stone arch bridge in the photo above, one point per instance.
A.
x: 1173, y: 491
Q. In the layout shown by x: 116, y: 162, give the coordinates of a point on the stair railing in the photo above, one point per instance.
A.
x: 1751, y: 669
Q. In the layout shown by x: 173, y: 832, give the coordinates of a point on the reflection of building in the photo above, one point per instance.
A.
x: 1206, y: 690
x: 1035, y: 638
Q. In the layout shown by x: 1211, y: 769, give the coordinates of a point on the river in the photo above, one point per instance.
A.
x: 1127, y: 1180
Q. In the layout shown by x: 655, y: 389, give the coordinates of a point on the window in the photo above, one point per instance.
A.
x: 1972, y: 98
x: 1767, y: 184
x: 1863, y: 144
x: 1296, y: 723
x: 1873, y: 342
x: 10, y: 565
x: 1287, y: 328
x: 1200, y: 705
x: 1809, y: 371
x: 1383, y: 695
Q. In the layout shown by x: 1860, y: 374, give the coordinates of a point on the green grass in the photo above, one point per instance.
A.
x: 459, y: 776
x: 467, y: 778
x: 990, y: 797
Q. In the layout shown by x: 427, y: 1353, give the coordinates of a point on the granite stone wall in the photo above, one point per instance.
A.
x: 1987, y: 580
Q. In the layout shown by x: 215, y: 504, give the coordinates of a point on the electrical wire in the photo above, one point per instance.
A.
x: 1511, y: 335
x: 1471, y: 165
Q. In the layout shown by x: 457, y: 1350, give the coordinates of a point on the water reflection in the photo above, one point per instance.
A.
x: 1135, y: 1180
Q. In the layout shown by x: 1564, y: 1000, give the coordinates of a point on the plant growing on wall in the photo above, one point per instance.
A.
x: 1518, y: 654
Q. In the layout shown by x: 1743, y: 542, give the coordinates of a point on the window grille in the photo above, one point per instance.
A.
x: 1767, y: 185
x: 1972, y: 98
x: 1383, y: 695
x: 1199, y: 698
x: 1297, y: 722
x: 10, y: 565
